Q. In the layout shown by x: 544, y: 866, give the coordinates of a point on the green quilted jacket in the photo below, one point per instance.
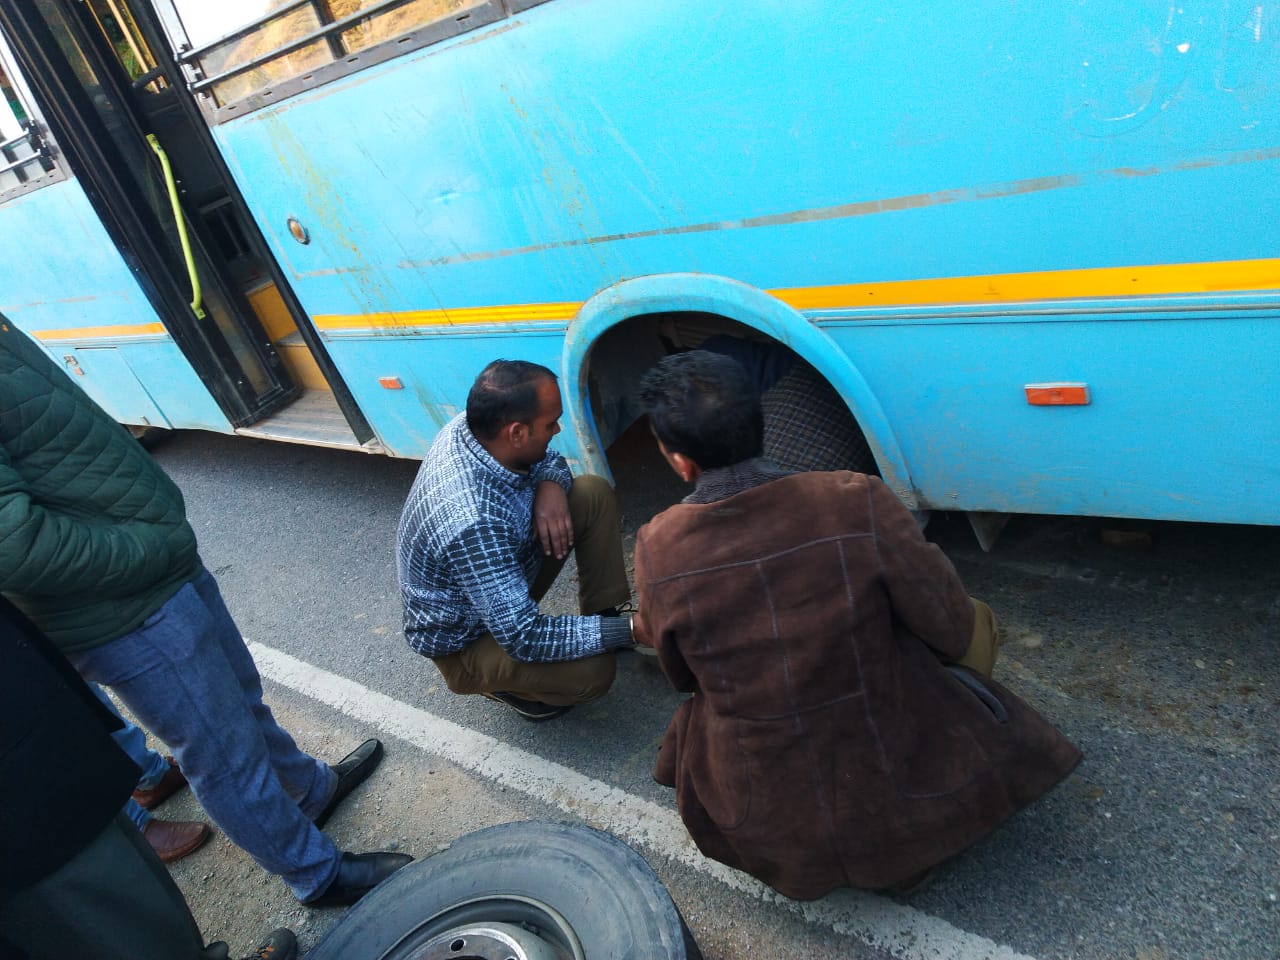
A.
x: 93, y: 534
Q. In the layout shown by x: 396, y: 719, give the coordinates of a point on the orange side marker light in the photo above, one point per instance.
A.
x: 1057, y: 394
x: 391, y: 383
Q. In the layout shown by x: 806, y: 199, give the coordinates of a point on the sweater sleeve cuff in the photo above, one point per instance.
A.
x: 615, y: 632
x: 554, y: 468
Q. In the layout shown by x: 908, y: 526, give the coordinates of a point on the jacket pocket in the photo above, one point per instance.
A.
x: 717, y: 768
x: 973, y: 683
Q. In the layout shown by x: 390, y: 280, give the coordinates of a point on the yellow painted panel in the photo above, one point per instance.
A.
x: 299, y: 361
x: 283, y: 332
x: 273, y: 314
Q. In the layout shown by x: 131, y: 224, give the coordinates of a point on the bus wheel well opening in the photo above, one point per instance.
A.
x: 808, y: 426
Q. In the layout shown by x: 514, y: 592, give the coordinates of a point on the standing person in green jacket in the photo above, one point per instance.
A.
x: 96, y: 550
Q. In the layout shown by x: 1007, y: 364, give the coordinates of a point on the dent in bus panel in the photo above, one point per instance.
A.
x: 1131, y: 59
x: 1250, y: 45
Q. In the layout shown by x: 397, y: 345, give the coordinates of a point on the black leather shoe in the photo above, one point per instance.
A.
x: 535, y: 711
x: 352, y: 771
x: 358, y: 873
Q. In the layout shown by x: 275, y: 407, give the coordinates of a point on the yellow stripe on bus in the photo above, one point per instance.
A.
x: 510, y: 313
x: 1175, y: 278
x: 1160, y: 279
x: 1154, y: 280
x: 98, y: 333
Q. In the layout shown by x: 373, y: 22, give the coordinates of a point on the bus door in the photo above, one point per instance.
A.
x: 136, y: 141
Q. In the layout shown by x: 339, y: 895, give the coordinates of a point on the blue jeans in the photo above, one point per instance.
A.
x: 187, y: 676
x: 134, y: 742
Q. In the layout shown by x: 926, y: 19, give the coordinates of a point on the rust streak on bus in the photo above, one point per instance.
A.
x: 863, y: 208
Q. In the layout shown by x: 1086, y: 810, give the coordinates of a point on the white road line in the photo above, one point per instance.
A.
x: 880, y: 923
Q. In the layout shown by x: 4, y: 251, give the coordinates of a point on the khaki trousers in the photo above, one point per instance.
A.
x: 484, y: 667
x: 985, y: 645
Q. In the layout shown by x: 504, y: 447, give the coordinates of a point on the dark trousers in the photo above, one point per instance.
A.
x: 113, y: 901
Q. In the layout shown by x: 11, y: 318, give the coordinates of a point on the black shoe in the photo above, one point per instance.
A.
x: 535, y: 711
x: 358, y: 873
x: 627, y: 607
x: 279, y: 945
x: 352, y: 771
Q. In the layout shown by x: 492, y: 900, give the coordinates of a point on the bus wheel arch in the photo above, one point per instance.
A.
x: 689, y: 293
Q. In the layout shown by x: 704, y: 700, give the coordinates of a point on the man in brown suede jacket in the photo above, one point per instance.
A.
x: 843, y: 728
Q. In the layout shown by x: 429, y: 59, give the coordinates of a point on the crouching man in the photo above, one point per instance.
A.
x: 843, y: 728
x: 488, y: 524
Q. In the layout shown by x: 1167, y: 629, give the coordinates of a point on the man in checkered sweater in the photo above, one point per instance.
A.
x: 489, y: 523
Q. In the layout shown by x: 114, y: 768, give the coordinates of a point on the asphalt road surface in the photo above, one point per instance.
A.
x: 1158, y: 657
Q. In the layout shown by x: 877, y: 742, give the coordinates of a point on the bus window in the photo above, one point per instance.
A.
x: 117, y: 24
x: 244, y: 48
x: 392, y: 23
x: 26, y: 160
x: 269, y: 50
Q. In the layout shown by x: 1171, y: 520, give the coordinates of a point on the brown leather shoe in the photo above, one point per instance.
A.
x: 174, y: 839
x: 169, y: 784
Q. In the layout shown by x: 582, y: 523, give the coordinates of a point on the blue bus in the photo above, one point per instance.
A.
x: 1032, y: 253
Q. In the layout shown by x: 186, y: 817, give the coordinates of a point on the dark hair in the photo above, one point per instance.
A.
x: 704, y: 406
x: 505, y: 392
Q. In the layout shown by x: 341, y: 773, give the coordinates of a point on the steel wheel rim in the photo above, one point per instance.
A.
x: 479, y: 928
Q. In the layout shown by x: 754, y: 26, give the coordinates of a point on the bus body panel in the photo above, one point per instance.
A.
x: 462, y: 202
x: 435, y: 373
x: 69, y: 288
x: 530, y: 161
x: 1146, y: 444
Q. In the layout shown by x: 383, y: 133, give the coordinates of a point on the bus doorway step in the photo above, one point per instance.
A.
x: 314, y: 419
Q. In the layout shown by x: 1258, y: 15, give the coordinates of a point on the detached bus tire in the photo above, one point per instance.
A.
x: 534, y: 890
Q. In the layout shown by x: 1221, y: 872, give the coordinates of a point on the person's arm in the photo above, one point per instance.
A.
x: 483, y: 561
x: 555, y: 468
x: 669, y: 656
x: 48, y: 552
x: 924, y: 588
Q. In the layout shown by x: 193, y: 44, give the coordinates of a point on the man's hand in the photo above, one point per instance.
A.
x: 551, y: 519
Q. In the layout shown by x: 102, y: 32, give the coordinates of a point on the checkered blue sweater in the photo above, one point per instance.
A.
x: 467, y: 553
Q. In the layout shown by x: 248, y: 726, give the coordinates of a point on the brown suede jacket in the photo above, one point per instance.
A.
x: 826, y: 743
